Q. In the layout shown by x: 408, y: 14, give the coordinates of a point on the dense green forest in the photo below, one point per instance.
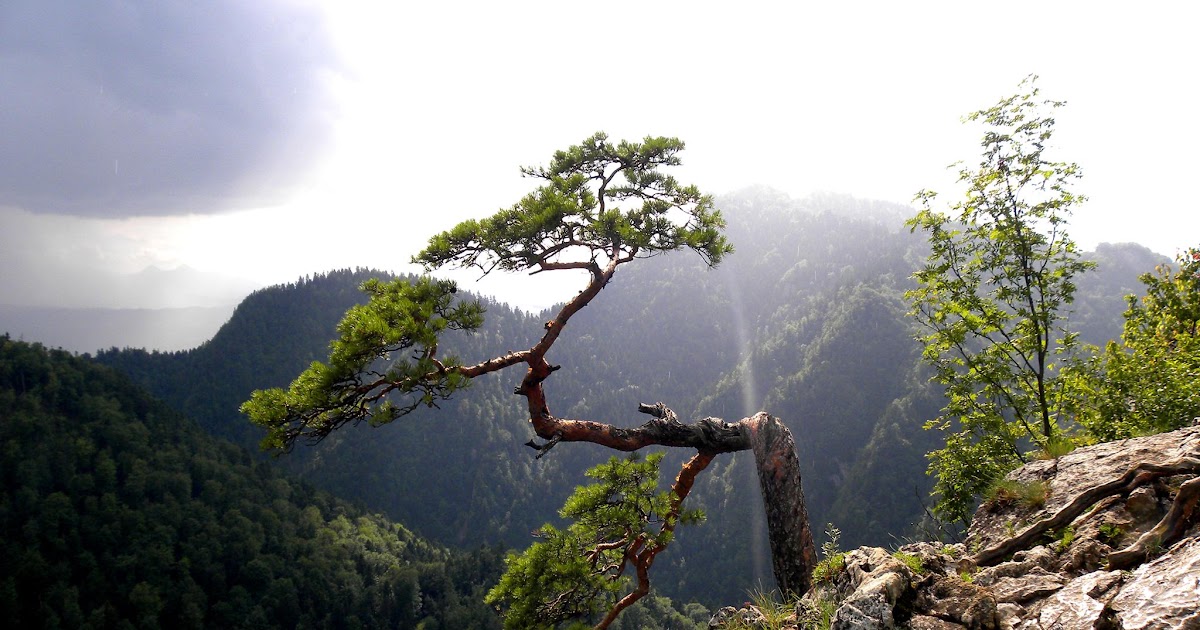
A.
x: 437, y: 472
x: 118, y: 512
x: 805, y: 320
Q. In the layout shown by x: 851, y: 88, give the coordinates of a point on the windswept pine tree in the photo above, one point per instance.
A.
x: 600, y: 206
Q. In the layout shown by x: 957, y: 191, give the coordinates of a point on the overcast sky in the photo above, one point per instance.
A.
x: 261, y: 141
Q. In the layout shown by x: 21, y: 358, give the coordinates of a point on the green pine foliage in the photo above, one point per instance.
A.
x: 805, y: 320
x: 611, y: 200
x: 273, y: 334
x: 574, y: 221
x: 117, y: 512
x: 655, y: 612
x: 278, y: 332
x: 573, y: 573
x: 382, y: 365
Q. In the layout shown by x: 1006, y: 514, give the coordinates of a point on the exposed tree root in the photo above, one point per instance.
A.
x: 1171, y: 526
x: 1165, y: 533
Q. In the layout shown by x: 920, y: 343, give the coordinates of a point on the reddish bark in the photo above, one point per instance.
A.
x: 643, y: 558
x: 792, y: 549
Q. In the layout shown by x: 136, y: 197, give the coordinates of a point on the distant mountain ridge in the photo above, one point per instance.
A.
x: 92, y: 329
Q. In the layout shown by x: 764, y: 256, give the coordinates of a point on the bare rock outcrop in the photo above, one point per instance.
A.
x: 1114, y: 546
x: 1164, y: 593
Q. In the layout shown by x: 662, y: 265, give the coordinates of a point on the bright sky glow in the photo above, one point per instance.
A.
x: 435, y: 106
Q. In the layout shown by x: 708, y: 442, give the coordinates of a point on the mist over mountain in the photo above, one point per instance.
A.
x: 54, y: 285
x: 805, y: 320
x: 164, y: 309
x: 92, y: 329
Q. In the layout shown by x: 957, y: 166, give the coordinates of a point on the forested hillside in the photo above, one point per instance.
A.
x: 459, y: 474
x: 805, y: 320
x: 118, y: 512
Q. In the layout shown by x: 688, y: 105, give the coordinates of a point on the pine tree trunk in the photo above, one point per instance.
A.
x: 792, y: 551
x: 793, y: 554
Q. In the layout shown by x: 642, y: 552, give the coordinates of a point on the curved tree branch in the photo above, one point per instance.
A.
x: 1166, y: 532
x: 643, y: 558
x: 566, y: 214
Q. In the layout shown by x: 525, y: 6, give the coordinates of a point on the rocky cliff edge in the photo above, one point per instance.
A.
x: 1105, y: 537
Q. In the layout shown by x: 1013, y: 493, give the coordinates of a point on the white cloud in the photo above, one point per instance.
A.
x: 119, y: 108
x: 440, y: 104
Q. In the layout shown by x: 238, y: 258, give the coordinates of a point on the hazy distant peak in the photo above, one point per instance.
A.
x: 761, y: 200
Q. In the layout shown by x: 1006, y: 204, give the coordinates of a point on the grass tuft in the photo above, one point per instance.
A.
x: 1029, y: 494
x: 1055, y: 447
x: 835, y: 559
x: 913, y: 563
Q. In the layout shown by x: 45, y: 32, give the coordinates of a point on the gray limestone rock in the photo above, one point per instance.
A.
x: 722, y: 617
x: 1079, y: 604
x: 749, y: 616
x: 1086, y: 556
x: 1073, y: 473
x: 925, y: 622
x: 866, y: 563
x: 952, y: 599
x: 1042, y: 587
x: 1010, y: 615
x: 1035, y: 584
x: 1023, y: 562
x: 1143, y: 503
x: 864, y: 611
x: 937, y: 558
x: 1163, y: 594
x: 880, y: 582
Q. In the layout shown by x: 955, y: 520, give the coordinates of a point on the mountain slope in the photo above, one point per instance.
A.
x: 459, y: 474
x: 115, y: 510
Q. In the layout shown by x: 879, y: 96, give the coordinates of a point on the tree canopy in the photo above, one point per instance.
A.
x: 600, y: 206
x: 622, y: 520
x: 386, y: 351
x: 991, y: 297
x: 1147, y: 382
x: 600, y: 203
x: 118, y: 512
x: 574, y: 220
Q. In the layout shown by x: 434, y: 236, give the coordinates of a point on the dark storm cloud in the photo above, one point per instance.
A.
x: 135, y: 107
